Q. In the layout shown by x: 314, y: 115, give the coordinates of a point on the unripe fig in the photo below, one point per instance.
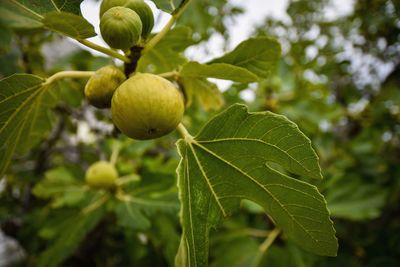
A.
x: 101, y: 86
x: 139, y: 6
x: 145, y: 13
x: 101, y: 174
x: 120, y: 27
x: 107, y: 4
x: 146, y: 106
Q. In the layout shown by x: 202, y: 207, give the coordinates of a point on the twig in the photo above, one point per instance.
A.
x: 157, y: 38
x: 104, y: 50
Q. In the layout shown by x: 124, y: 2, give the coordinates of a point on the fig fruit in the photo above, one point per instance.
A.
x: 120, y: 27
x: 139, y: 6
x: 145, y: 13
x: 101, y: 86
x: 146, y: 106
x: 101, y: 174
x: 107, y: 4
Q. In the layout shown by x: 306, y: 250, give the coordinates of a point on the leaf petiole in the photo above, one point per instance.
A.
x: 184, y: 133
x: 67, y: 74
x: 104, y: 50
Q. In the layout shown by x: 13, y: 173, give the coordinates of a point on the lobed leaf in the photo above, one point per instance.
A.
x: 69, y: 24
x: 72, y: 231
x: 25, y: 104
x: 217, y: 70
x: 235, y: 157
x: 258, y: 55
x: 28, y: 14
x: 206, y: 92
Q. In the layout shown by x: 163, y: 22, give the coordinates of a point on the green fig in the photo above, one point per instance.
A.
x: 139, y: 6
x: 145, y: 13
x: 107, y: 4
x: 147, y: 106
x: 101, y: 86
x: 101, y: 174
x: 121, y: 27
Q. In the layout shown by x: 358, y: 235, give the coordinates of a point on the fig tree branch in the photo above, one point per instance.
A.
x: 175, y: 15
x: 104, y: 50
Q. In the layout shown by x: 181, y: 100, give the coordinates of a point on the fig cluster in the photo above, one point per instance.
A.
x: 145, y: 106
x: 123, y: 23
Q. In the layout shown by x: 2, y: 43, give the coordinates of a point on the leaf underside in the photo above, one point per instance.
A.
x: 25, y: 114
x: 233, y: 158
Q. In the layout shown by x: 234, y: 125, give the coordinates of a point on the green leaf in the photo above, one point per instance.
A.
x: 233, y: 158
x: 354, y: 200
x: 72, y: 231
x: 167, y: 54
x: 28, y: 14
x: 5, y: 39
x: 218, y: 70
x: 240, y: 252
x: 206, y: 92
x: 258, y: 55
x: 69, y: 24
x: 133, y: 212
x: 60, y: 185
x: 25, y: 113
x: 167, y: 5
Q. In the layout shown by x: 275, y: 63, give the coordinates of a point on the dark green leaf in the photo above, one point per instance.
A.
x: 355, y: 200
x: 218, y: 70
x: 28, y: 14
x: 69, y: 24
x: 258, y: 55
x: 234, y: 157
x: 133, y: 211
x: 73, y: 231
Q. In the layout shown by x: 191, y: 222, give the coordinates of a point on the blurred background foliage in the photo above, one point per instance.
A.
x: 338, y: 79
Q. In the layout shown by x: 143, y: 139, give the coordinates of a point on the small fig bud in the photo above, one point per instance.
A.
x: 145, y: 13
x: 101, y: 174
x: 120, y: 27
x: 147, y: 106
x: 101, y: 86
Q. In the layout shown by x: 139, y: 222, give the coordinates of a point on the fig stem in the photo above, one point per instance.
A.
x: 269, y: 240
x: 115, y: 153
x: 104, y: 50
x: 170, y: 74
x: 68, y: 74
x: 175, y: 15
x: 184, y: 132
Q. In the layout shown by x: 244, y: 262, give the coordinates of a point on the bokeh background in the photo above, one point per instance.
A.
x: 338, y: 79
